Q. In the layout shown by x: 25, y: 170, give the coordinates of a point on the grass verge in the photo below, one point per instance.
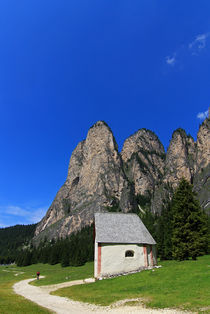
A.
x: 184, y: 285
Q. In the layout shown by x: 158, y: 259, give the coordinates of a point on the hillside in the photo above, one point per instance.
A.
x: 12, y: 238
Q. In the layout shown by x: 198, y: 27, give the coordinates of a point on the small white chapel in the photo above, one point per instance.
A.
x: 122, y: 245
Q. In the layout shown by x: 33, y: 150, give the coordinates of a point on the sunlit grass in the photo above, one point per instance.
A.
x: 177, y: 284
x: 57, y: 274
x: 12, y: 303
x: 184, y: 285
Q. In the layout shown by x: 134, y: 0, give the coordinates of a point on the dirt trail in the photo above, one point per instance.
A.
x: 61, y: 305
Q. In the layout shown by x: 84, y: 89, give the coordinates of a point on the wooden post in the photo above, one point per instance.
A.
x: 151, y: 256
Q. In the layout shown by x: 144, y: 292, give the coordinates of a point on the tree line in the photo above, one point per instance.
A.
x: 75, y: 250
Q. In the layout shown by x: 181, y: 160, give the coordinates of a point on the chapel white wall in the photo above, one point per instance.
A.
x: 113, y: 260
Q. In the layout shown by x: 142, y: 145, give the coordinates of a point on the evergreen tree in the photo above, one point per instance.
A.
x: 27, y: 258
x: 149, y: 220
x: 54, y: 257
x: 164, y: 232
x: 19, y: 259
x: 45, y: 255
x: 189, y: 223
x: 65, y: 260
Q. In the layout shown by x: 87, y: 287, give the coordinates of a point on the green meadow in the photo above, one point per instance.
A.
x: 12, y: 303
x: 184, y: 285
x: 9, y: 301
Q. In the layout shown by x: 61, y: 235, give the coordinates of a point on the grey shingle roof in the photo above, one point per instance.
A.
x: 121, y: 228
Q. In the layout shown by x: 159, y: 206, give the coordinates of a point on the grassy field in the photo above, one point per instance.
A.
x: 11, y: 303
x: 184, y: 285
x: 57, y: 274
x: 177, y: 284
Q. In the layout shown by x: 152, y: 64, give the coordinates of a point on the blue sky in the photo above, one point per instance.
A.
x: 66, y: 64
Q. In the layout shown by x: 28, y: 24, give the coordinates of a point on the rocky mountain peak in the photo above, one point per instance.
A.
x: 143, y: 139
x: 179, y: 159
x: 100, y: 124
x: 143, y: 155
x: 101, y: 179
x: 96, y: 180
x: 202, y: 165
x: 189, y: 159
x: 203, y: 145
x: 101, y: 138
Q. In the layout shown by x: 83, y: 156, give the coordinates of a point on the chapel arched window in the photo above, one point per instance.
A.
x: 129, y: 253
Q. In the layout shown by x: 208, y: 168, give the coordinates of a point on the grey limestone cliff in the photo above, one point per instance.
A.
x: 143, y: 155
x: 189, y: 159
x: 202, y: 166
x: 95, y: 180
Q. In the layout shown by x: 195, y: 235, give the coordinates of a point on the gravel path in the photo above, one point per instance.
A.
x: 61, y: 305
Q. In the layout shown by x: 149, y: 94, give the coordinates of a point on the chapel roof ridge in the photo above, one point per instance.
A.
x: 116, y: 213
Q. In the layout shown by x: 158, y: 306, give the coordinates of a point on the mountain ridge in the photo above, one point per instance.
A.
x: 100, y: 178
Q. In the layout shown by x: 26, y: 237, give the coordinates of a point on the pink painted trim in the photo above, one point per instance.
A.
x: 145, y: 256
x: 99, y: 259
x: 151, y: 256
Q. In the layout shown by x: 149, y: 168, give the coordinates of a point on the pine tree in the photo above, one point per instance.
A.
x: 149, y: 220
x: 189, y: 224
x: 54, y: 257
x: 164, y: 232
x: 65, y: 260
x: 26, y: 259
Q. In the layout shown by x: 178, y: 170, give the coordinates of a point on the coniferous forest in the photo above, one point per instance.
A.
x: 12, y: 239
x: 75, y: 250
x: 181, y: 232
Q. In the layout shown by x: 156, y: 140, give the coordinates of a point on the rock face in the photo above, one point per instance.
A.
x: 203, y: 148
x: 188, y: 159
x: 101, y: 179
x: 95, y: 181
x: 180, y: 158
x: 143, y: 156
x: 202, y: 166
